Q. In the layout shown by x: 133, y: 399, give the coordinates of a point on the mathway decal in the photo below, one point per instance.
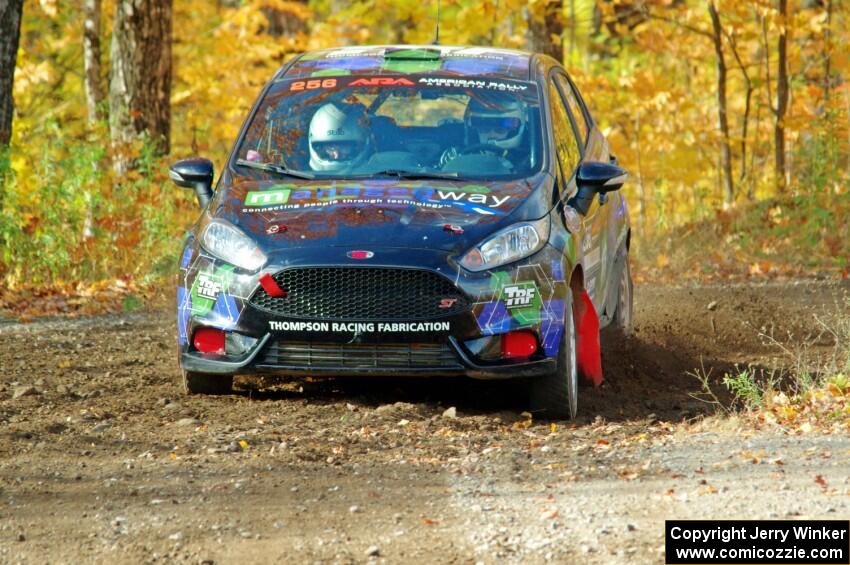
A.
x: 297, y: 199
x: 360, y: 327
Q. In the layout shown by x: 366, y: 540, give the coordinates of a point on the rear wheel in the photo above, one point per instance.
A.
x: 625, y: 298
x: 556, y: 395
x: 204, y: 383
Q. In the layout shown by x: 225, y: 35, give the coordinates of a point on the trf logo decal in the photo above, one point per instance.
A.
x: 209, y: 286
x: 519, y: 295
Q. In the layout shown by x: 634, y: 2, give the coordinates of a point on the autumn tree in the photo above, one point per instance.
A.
x: 140, y: 76
x: 10, y: 30
x: 91, y: 59
x: 722, y: 118
x: 780, y: 108
x: 782, y: 94
x: 546, y: 28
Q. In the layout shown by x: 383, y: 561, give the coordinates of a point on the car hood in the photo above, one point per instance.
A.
x: 377, y: 213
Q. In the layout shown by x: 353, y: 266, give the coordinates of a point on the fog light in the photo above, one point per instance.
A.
x: 237, y: 344
x: 518, y: 344
x: 209, y: 340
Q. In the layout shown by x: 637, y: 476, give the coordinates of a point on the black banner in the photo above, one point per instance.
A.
x: 761, y: 542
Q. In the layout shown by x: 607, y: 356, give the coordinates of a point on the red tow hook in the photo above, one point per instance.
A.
x: 271, y: 287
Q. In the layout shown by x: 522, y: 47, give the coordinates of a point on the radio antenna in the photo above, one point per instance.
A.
x: 437, y: 28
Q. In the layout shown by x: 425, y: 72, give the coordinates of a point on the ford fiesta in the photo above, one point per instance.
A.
x: 408, y: 210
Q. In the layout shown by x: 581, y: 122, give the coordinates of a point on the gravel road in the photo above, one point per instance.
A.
x: 103, y: 460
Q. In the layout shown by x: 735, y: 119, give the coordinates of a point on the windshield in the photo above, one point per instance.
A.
x: 407, y: 126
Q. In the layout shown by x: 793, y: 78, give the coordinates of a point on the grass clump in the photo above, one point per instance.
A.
x: 811, y: 391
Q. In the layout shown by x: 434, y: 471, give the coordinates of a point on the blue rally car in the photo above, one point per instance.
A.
x: 409, y: 210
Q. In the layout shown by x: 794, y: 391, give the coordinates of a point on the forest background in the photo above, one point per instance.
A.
x: 733, y: 118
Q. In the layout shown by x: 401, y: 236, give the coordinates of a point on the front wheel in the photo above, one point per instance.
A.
x: 556, y: 395
x: 203, y: 383
x: 625, y: 299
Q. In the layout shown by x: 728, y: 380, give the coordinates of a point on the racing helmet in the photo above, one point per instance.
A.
x: 499, y: 122
x: 338, y: 138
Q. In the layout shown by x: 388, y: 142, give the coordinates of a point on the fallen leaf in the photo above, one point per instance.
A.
x: 549, y: 514
x: 243, y: 444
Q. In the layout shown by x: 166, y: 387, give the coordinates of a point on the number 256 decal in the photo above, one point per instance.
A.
x: 313, y: 84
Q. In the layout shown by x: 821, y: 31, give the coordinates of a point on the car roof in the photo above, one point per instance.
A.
x: 395, y: 59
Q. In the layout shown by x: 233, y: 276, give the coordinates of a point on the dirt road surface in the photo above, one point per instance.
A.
x: 103, y: 459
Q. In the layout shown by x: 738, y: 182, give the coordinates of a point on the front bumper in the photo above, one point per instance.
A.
x: 216, y: 295
x: 456, y: 361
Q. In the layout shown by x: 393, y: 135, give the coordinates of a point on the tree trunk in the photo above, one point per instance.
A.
x: 781, y: 100
x: 140, y: 77
x: 10, y: 31
x: 546, y: 28
x: 722, y: 118
x: 91, y: 60
x: 572, y: 31
x: 285, y: 20
x: 827, y: 51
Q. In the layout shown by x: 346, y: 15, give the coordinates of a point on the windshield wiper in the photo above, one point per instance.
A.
x: 416, y: 174
x: 277, y: 169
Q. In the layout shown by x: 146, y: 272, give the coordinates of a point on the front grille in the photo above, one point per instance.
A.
x: 359, y: 356
x: 362, y: 293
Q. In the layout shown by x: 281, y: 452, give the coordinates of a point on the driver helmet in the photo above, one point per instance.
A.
x: 338, y: 138
x: 495, y: 122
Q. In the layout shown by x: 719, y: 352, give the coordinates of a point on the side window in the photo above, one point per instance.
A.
x: 562, y: 129
x: 575, y: 108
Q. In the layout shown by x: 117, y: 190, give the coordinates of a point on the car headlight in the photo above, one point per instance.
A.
x: 508, y: 245
x: 226, y: 242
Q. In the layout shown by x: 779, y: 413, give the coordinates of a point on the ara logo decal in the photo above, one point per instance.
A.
x: 209, y: 286
x: 266, y: 197
x: 276, y: 228
x: 381, y: 81
x: 519, y: 295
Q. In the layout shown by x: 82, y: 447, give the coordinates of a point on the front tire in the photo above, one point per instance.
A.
x: 203, y: 383
x: 625, y: 300
x: 556, y: 395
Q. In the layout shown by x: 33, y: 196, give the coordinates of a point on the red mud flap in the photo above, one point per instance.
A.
x: 588, y: 352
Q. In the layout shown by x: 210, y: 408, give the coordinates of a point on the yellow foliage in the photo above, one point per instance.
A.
x: 651, y: 83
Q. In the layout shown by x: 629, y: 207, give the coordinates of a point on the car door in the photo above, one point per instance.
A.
x: 612, y: 209
x: 571, y: 143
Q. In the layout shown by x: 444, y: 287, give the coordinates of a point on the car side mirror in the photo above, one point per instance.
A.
x: 595, y: 177
x: 195, y: 173
x: 602, y: 177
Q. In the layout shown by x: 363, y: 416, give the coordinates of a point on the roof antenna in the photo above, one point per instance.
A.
x: 437, y: 30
